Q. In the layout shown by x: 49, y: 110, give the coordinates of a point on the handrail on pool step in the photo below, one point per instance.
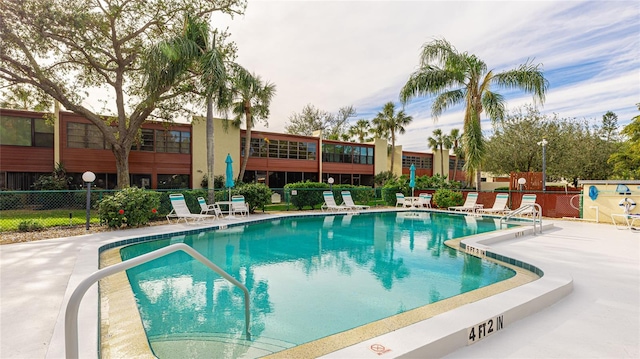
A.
x: 71, y: 313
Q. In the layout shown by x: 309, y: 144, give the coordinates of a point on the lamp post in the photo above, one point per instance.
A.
x: 88, y: 177
x: 330, y: 181
x: 544, y: 143
x: 521, y: 182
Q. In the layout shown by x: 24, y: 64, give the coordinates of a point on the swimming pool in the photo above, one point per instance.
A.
x: 309, y: 277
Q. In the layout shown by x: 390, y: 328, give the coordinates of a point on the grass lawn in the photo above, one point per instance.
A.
x: 9, y: 220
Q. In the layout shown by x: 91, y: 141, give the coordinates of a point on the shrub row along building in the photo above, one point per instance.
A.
x: 174, y: 155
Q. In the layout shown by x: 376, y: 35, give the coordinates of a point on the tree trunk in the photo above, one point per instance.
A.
x: 121, y: 153
x: 478, y: 178
x: 210, y: 155
x: 247, y: 146
x: 393, y: 151
x: 455, y: 168
x: 442, y: 161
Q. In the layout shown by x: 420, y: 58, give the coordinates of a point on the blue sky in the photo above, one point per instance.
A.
x: 337, y: 53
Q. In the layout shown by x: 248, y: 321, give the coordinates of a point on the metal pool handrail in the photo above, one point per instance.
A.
x: 536, y: 216
x: 71, y: 313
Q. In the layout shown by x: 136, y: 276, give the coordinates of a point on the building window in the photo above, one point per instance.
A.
x: 173, y: 181
x: 418, y: 162
x: 84, y: 135
x: 173, y: 141
x: 279, y: 149
x: 145, y: 142
x: 347, y: 154
x: 21, y: 131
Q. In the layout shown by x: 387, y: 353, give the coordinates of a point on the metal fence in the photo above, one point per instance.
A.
x: 33, y: 210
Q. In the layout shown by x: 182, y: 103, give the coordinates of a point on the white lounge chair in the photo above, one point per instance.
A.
x: 424, y: 200
x: 213, y: 209
x: 626, y: 220
x: 499, y: 206
x: 180, y: 211
x: 239, y: 206
x: 401, y: 201
x: 527, y: 201
x: 469, y: 204
x: 348, y: 201
x: 330, y: 203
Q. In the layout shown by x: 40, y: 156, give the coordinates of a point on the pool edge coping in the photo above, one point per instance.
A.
x: 88, y: 259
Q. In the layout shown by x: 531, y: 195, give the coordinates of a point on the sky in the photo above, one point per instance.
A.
x: 333, y: 54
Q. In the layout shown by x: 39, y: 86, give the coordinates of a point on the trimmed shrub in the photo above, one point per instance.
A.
x: 307, y: 194
x: 444, y: 198
x: 30, y: 225
x: 9, y: 200
x: 257, y: 195
x: 131, y: 207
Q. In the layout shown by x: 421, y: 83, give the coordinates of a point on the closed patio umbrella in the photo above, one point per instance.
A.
x: 229, y: 174
x: 412, y: 178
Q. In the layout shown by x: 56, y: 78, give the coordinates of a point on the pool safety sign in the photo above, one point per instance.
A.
x: 484, y: 329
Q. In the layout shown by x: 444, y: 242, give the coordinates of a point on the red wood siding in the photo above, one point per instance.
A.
x: 26, y: 159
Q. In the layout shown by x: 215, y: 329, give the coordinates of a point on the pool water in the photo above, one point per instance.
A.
x: 308, y: 277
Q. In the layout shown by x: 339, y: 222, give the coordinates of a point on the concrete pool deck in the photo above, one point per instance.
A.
x: 599, y: 318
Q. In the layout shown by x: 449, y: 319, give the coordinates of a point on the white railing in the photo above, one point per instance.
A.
x: 71, y: 313
x: 536, y: 216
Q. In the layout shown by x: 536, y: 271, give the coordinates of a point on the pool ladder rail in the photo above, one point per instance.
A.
x: 71, y: 312
x: 536, y: 216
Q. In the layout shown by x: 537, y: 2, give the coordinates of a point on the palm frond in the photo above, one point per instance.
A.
x: 527, y: 77
x: 446, y: 100
x: 494, y: 104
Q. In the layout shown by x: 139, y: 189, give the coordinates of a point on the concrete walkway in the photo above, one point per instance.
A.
x: 599, y: 319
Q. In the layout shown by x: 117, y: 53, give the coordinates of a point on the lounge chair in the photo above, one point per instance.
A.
x: 401, y: 201
x: 469, y: 204
x: 527, y: 201
x: 213, y: 209
x: 238, y: 205
x: 424, y: 200
x: 180, y: 211
x: 627, y: 220
x: 330, y: 203
x: 499, y: 206
x: 348, y: 201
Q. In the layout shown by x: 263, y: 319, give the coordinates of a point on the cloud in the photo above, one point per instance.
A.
x: 339, y: 53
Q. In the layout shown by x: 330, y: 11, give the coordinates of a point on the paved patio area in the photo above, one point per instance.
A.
x: 600, y: 318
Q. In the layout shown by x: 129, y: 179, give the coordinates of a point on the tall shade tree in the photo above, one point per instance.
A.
x: 387, y: 123
x: 311, y: 119
x: 626, y: 160
x: 455, y: 139
x: 437, y: 142
x: 456, y: 78
x: 69, y: 48
x: 360, y: 131
x: 251, y: 100
x: 193, y: 52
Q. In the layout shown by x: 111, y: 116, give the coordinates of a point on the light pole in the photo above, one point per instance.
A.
x: 88, y: 177
x: 544, y: 143
x: 330, y: 181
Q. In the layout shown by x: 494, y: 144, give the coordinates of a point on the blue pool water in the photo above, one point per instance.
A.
x: 308, y: 277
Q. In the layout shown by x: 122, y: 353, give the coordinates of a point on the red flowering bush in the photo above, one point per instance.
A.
x: 138, y: 204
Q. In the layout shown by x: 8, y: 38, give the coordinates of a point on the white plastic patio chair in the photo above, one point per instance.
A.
x: 348, y: 201
x: 499, y: 206
x: 180, y: 211
x: 239, y: 206
x: 424, y: 200
x: 213, y: 209
x: 402, y: 201
x: 469, y: 203
x: 330, y: 203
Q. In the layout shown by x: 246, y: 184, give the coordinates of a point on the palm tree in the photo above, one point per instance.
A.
x: 437, y: 142
x: 462, y: 78
x: 193, y: 57
x: 360, y: 130
x: 454, y: 139
x: 387, y: 123
x: 252, y: 98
